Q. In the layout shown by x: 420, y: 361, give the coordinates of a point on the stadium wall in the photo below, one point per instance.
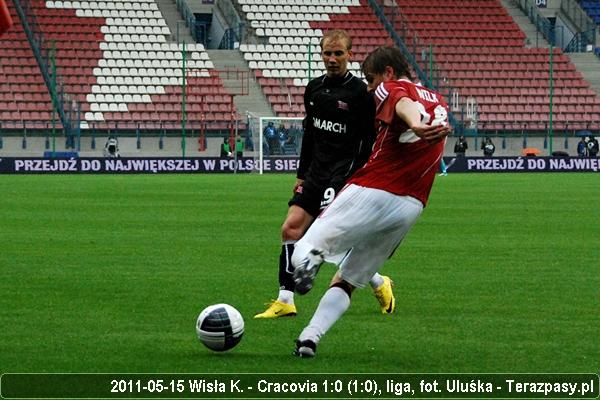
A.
x: 128, y: 146
x: 514, y: 146
x: 150, y: 146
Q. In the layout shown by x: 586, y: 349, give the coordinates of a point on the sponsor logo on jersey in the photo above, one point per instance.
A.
x: 342, y: 106
x: 329, y: 126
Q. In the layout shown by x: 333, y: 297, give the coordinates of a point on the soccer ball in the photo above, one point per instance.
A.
x: 220, y: 327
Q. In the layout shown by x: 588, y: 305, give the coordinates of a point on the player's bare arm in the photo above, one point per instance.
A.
x: 407, y: 110
x: 431, y: 134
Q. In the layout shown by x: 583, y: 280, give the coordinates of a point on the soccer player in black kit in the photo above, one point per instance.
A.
x: 338, y: 135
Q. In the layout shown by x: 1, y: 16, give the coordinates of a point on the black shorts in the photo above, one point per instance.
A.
x: 313, y: 198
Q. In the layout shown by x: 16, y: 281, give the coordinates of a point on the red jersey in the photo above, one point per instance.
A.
x: 401, y: 162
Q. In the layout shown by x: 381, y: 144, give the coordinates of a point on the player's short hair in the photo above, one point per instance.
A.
x: 338, y: 34
x: 386, y: 56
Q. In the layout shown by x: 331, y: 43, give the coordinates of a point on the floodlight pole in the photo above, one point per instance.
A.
x: 53, y: 85
x: 551, y: 132
x: 183, y: 90
x: 430, y: 63
x: 309, y: 60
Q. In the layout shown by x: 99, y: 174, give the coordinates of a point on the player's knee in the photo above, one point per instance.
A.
x: 291, y: 232
x: 296, y: 223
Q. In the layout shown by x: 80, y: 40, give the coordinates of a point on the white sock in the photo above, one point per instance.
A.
x: 286, y: 296
x: 376, y: 280
x: 332, y: 306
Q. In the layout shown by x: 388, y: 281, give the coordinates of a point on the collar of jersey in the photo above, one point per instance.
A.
x: 337, y: 80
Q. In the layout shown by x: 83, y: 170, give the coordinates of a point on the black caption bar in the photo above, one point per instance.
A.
x: 322, y: 386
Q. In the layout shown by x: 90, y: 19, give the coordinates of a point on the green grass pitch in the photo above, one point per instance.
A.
x: 104, y: 273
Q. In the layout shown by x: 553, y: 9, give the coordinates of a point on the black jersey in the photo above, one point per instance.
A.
x: 338, y: 129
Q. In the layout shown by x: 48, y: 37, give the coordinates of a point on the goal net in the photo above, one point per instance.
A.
x: 277, y: 142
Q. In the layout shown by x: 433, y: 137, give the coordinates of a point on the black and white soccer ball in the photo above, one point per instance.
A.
x: 220, y: 327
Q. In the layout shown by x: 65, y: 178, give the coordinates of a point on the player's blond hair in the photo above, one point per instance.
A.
x: 337, y: 34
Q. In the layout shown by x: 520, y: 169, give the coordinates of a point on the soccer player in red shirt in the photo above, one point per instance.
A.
x: 382, y: 200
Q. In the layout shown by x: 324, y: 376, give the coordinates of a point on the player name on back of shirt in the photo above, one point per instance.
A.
x: 427, y: 95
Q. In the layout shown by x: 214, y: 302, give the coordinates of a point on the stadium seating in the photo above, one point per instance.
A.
x: 290, y: 54
x: 592, y: 8
x: 24, y: 98
x: 484, y: 57
x: 116, y: 60
x: 482, y: 54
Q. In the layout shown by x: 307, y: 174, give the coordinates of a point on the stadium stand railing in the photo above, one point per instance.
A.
x: 587, y: 29
x: 116, y: 60
x: 427, y: 70
x: 236, y: 33
x: 284, y: 53
x: 32, y: 92
x: 543, y: 25
x: 485, y: 58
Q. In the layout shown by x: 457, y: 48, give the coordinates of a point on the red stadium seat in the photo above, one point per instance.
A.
x: 486, y: 53
x: 80, y: 47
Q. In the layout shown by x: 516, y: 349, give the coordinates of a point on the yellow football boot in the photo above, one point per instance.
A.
x: 385, y: 296
x: 278, y: 309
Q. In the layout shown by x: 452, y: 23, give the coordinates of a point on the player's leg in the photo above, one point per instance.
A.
x: 305, y: 206
x: 332, y: 306
x: 443, y: 169
x: 294, y: 226
x: 336, y: 299
x: 296, y: 223
x: 391, y: 219
x: 329, y: 238
x: 338, y: 229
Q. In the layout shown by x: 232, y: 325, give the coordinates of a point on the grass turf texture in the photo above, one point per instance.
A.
x: 107, y: 273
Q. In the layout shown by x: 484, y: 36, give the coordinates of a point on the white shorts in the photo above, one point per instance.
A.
x: 359, y: 230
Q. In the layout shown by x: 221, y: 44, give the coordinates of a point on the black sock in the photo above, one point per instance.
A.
x: 286, y: 270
